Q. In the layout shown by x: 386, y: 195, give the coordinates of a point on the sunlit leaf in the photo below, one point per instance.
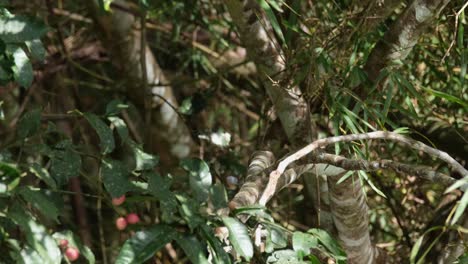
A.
x: 43, y: 174
x: 106, y: 137
x: 115, y: 177
x: 303, y: 242
x: 18, y: 29
x: 144, y: 244
x: 200, y: 177
x: 44, y: 201
x: 239, y: 237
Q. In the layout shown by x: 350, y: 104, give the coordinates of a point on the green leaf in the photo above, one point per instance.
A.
x: 218, y: 195
x: 22, y: 71
x: 114, y: 107
x: 216, y: 249
x: 115, y: 177
x: 200, y: 177
x: 303, y: 242
x: 189, y: 209
x: 30, y: 256
x: 415, y: 249
x: 74, y: 241
x: 272, y: 18
x: 330, y: 243
x: 143, y: 160
x: 159, y: 187
x: 286, y: 256
x: 10, y: 178
x: 144, y: 244
x: 121, y: 127
x: 106, y: 137
x: 18, y: 29
x: 193, y: 249
x: 42, y: 201
x: 276, y: 238
x: 461, y: 208
x: 448, y: 97
x: 43, y: 174
x: 29, y: 123
x: 36, y: 49
x: 36, y: 235
x: 65, y: 162
x: 239, y: 237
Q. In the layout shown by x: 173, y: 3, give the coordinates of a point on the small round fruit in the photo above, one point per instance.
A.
x: 72, y: 253
x: 118, y: 200
x: 63, y: 243
x: 121, y: 223
x: 133, y: 218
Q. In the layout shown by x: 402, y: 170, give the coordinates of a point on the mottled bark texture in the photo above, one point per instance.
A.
x: 350, y: 215
x: 122, y: 31
x: 404, y: 33
x: 375, y: 12
x: 258, y: 38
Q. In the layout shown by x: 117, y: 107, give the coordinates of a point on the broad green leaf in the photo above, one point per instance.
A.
x: 193, y: 248
x: 43, y: 174
x: 114, y: 107
x: 74, y: 241
x: 29, y: 123
x: 30, y: 256
x: 144, y: 244
x: 115, y: 177
x: 65, y: 162
x: 22, y: 71
x: 36, y: 49
x: 42, y: 201
x: 286, y: 256
x: 218, y: 195
x: 189, y: 209
x: 239, y: 237
x: 36, y: 235
x: 18, y: 29
x: 106, y: 137
x: 159, y: 187
x: 461, y: 208
x: 329, y: 242
x: 303, y: 242
x: 143, y: 160
x: 120, y: 126
x: 200, y: 177
x: 10, y: 178
x: 276, y: 238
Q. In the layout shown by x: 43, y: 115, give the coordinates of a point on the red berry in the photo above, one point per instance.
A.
x: 63, y: 243
x: 72, y: 253
x: 118, y: 200
x: 133, y: 218
x: 121, y: 223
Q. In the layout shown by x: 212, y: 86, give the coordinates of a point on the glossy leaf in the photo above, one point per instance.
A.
x: 303, y: 242
x: 239, y: 237
x: 115, y: 177
x: 144, y: 244
x: 22, y: 71
x: 18, y: 29
x: 106, y: 137
x: 143, y: 160
x: 36, y: 235
x: 200, y: 177
x: 120, y: 126
x: 159, y: 187
x: 10, y: 178
x: 193, y: 248
x: 36, y: 49
x: 189, y: 209
x: 42, y: 202
x: 43, y: 174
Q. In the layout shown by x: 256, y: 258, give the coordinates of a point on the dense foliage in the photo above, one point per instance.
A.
x: 137, y: 131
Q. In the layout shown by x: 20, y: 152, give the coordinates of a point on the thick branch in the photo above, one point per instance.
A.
x: 274, y: 175
x: 400, y: 39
